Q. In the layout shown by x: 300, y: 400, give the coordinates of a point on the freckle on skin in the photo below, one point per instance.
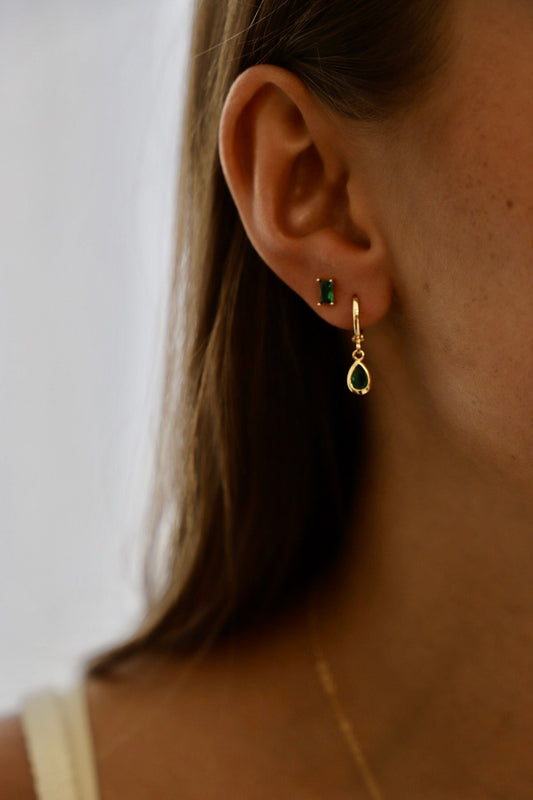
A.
x: 425, y: 287
x: 510, y: 204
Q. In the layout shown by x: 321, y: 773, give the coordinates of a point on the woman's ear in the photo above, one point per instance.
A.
x: 300, y: 193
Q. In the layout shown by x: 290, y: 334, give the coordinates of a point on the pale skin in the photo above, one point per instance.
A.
x: 427, y: 623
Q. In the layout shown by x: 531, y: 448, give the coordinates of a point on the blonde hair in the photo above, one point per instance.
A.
x: 258, y: 445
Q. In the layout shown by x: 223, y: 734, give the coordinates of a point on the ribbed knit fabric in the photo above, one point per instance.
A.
x: 59, y: 743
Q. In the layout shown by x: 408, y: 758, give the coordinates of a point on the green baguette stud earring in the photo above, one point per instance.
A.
x: 326, y: 292
x: 359, y: 379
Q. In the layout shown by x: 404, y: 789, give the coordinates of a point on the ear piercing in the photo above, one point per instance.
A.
x: 358, y: 379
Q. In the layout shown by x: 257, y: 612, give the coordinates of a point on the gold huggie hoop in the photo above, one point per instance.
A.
x: 359, y: 379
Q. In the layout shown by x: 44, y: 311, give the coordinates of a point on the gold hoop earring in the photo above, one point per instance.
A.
x: 359, y: 379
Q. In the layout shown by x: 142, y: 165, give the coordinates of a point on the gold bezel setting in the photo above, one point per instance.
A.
x: 360, y: 367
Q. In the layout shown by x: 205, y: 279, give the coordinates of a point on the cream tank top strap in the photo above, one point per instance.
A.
x: 58, y: 740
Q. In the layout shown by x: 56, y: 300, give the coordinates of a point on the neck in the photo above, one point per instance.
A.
x: 434, y: 606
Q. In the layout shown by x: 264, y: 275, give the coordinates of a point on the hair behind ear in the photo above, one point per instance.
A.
x: 259, y: 441
x: 270, y: 450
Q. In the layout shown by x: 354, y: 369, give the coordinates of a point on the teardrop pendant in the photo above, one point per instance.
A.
x: 359, y: 380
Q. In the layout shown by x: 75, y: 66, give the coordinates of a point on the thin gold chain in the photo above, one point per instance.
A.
x: 329, y: 687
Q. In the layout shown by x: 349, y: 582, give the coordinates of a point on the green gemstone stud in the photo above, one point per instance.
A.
x: 326, y: 292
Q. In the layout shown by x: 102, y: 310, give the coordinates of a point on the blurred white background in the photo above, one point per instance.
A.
x: 90, y: 96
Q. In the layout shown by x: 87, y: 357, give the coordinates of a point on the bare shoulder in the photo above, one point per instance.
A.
x: 15, y: 777
x: 134, y: 731
x: 158, y: 713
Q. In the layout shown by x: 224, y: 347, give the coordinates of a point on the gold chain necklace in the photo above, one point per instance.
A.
x: 329, y: 688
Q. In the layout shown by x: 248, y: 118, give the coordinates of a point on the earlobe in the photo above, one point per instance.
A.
x: 293, y: 184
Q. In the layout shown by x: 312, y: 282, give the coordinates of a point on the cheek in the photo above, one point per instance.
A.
x: 463, y: 245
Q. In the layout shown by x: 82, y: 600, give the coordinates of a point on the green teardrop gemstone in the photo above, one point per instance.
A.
x: 360, y: 378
